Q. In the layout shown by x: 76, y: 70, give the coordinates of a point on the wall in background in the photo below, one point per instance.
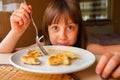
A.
x: 115, y: 14
x: 38, y: 10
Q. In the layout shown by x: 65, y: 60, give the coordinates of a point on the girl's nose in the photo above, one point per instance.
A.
x: 62, y: 35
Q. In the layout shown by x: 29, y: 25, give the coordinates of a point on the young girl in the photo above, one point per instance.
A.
x: 62, y: 25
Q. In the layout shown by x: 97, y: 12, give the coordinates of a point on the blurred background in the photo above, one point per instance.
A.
x: 101, y: 19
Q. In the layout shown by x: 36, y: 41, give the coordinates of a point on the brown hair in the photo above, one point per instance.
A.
x: 70, y: 8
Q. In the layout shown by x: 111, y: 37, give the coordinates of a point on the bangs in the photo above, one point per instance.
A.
x: 64, y: 16
x: 65, y: 9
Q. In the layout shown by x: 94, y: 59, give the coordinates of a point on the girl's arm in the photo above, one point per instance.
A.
x: 101, y: 49
x: 9, y: 42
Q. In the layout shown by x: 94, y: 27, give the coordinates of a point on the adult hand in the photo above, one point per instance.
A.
x: 109, y: 65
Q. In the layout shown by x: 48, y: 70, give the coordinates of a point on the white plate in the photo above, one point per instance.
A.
x: 86, y: 59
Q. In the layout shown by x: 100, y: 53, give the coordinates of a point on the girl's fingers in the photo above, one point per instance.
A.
x: 25, y: 13
x: 28, y: 8
x: 110, y: 66
x: 25, y: 17
x: 102, y: 63
x: 22, y: 15
x: 16, y: 19
x: 107, y: 65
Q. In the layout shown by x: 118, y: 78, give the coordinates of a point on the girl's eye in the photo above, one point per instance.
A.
x: 54, y: 27
x: 70, y: 27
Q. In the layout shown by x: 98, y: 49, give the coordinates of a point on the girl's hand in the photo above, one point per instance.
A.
x: 20, y: 19
x: 109, y: 65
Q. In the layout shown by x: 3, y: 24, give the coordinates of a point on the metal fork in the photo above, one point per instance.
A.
x: 37, y: 39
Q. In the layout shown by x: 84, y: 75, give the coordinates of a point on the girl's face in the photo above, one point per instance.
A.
x: 63, y: 33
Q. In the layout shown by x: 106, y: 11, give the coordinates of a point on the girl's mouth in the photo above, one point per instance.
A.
x: 63, y: 44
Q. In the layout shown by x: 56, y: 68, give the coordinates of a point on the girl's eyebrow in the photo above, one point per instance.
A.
x: 65, y: 24
x: 53, y: 24
x: 72, y: 23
